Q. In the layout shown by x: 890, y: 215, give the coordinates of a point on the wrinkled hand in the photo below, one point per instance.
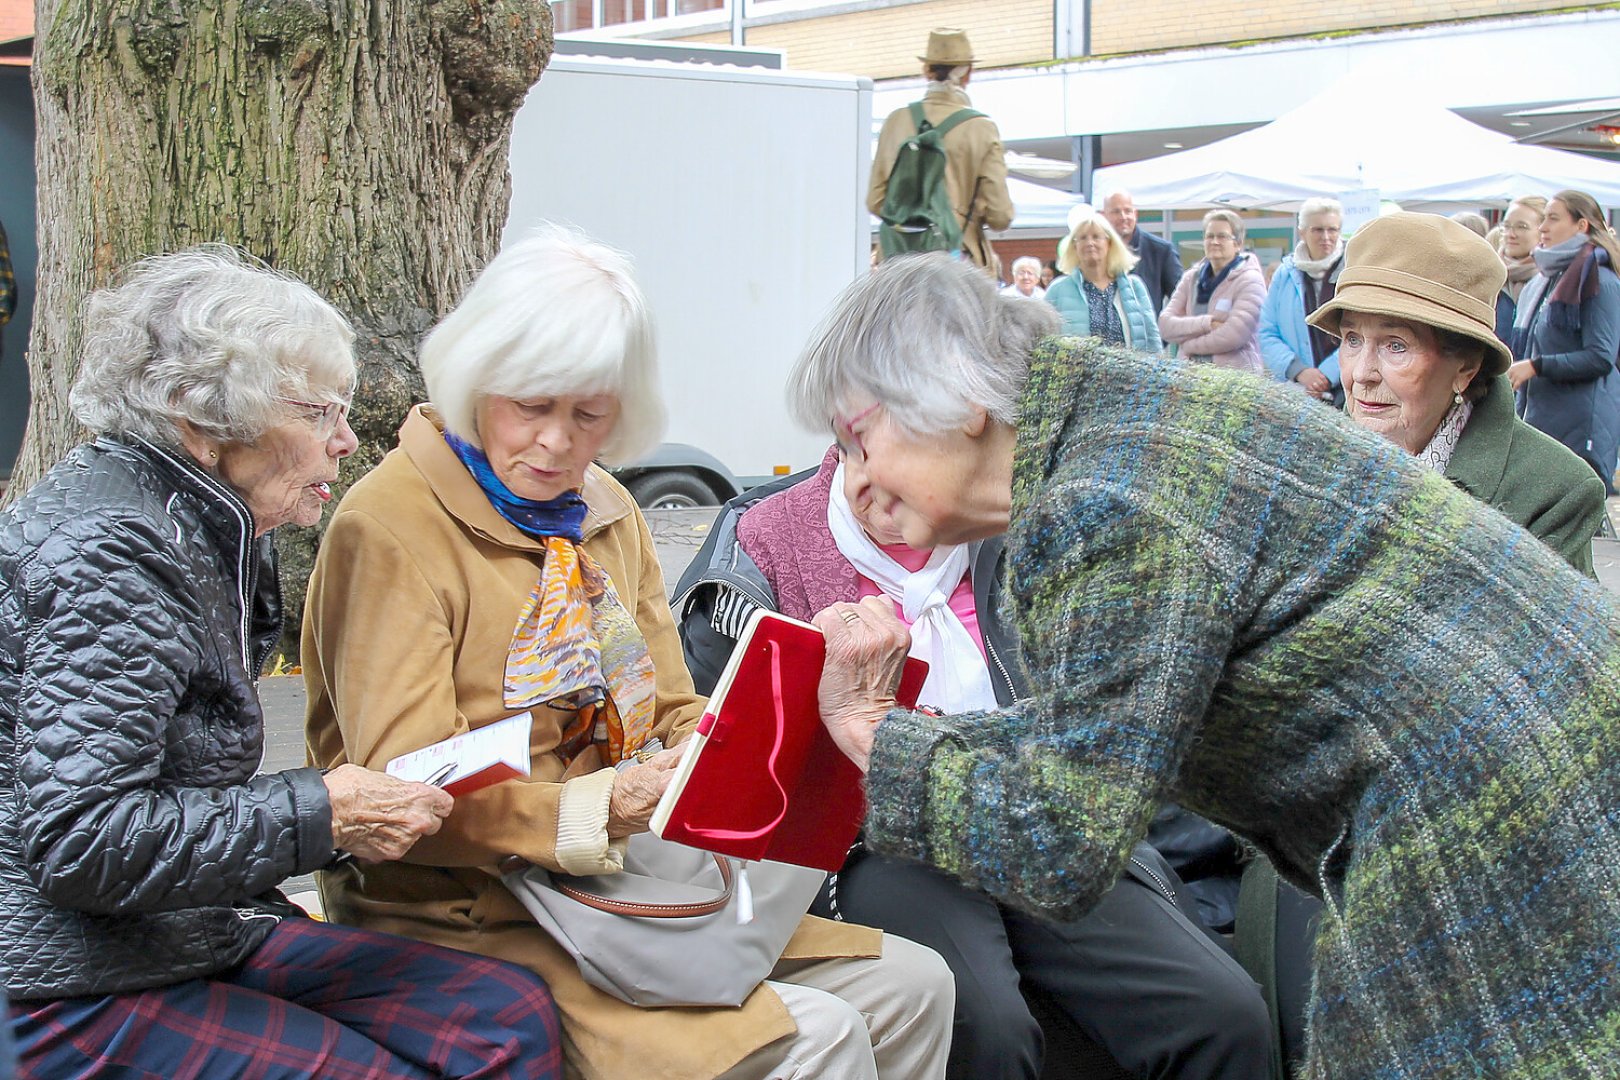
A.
x: 1314, y: 382
x: 1520, y: 373
x: 866, y: 653
x: 636, y: 792
x: 378, y: 817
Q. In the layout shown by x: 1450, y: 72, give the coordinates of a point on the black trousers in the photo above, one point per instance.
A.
x: 1135, y: 975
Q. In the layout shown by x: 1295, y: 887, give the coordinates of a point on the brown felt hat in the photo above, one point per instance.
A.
x: 1426, y: 269
x: 948, y: 45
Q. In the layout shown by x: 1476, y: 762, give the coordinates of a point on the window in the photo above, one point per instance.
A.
x: 572, y: 15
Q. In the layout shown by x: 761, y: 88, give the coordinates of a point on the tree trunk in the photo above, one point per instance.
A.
x: 359, y: 144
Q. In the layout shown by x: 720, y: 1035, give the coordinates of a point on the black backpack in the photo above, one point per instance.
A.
x: 917, y: 212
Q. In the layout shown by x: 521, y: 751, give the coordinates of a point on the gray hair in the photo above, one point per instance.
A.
x: 555, y: 313
x: 1026, y: 260
x: 209, y: 337
x: 1470, y: 220
x: 1319, y: 205
x: 929, y: 338
x: 1240, y: 232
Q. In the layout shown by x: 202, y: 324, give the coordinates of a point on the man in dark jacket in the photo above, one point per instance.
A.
x: 1160, y: 265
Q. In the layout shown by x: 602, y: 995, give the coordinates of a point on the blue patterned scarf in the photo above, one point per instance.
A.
x: 563, y: 516
x: 576, y: 647
x: 1208, y: 280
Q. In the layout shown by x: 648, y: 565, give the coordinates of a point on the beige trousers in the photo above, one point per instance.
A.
x: 882, y: 1019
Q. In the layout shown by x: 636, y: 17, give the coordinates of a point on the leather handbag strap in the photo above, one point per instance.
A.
x: 655, y: 911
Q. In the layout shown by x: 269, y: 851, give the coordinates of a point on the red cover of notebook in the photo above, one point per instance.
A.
x: 762, y: 778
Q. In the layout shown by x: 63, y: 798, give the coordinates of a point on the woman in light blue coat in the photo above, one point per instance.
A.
x: 1100, y: 297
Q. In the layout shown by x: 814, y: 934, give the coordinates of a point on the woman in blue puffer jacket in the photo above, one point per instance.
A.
x: 1100, y: 297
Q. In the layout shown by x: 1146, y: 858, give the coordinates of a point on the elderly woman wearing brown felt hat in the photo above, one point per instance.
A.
x: 1422, y: 366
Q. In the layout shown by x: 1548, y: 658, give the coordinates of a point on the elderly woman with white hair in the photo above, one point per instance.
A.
x: 1293, y: 350
x: 488, y: 568
x: 1026, y: 279
x: 1232, y: 597
x: 140, y: 847
x: 1099, y: 296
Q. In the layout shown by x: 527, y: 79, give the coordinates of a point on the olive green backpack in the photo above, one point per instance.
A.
x: 917, y: 212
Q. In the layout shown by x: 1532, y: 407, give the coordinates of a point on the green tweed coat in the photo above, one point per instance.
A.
x: 1238, y: 600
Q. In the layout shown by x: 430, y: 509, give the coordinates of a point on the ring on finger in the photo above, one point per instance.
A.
x: 849, y: 616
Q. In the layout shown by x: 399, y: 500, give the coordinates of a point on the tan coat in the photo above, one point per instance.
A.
x: 976, y: 168
x: 411, y: 608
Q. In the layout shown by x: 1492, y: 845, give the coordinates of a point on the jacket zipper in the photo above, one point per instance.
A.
x: 1164, y: 886
x: 246, y: 571
x: 1012, y: 689
x: 248, y: 915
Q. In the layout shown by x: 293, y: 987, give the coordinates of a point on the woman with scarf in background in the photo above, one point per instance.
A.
x: 1215, y: 312
x: 1566, y: 334
x: 1521, y: 226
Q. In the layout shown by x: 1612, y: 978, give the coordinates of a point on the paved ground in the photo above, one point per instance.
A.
x: 677, y: 533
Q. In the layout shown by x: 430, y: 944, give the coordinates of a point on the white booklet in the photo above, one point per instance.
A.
x: 471, y: 760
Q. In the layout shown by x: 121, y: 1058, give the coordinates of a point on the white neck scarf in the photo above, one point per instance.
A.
x: 958, y: 677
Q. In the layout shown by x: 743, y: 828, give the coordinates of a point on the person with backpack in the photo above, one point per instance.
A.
x: 939, y: 176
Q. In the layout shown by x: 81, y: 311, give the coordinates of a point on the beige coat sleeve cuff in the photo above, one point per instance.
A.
x: 583, y: 846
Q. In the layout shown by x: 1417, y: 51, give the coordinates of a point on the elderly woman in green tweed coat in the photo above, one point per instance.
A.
x: 1238, y: 600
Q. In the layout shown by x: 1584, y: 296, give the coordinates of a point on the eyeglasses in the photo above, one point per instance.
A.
x: 326, y: 414
x: 846, y: 428
x: 1519, y: 226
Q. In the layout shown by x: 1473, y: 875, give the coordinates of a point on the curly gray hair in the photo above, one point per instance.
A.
x: 209, y: 337
x: 929, y: 338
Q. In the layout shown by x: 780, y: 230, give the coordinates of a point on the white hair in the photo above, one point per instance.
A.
x: 928, y: 337
x: 209, y: 337
x: 555, y: 313
x: 1026, y: 260
x: 1319, y: 205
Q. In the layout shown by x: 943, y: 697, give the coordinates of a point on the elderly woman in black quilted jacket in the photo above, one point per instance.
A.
x: 139, y: 852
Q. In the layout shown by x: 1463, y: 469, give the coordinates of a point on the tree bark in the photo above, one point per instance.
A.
x: 359, y: 144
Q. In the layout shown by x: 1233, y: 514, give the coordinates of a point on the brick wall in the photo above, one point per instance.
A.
x: 1124, y: 26
x: 885, y: 42
x: 1044, y: 250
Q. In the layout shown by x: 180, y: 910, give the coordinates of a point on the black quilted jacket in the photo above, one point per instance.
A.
x: 136, y: 609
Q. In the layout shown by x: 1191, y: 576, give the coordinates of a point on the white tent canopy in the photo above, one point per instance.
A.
x: 1369, y: 131
x: 1036, y: 206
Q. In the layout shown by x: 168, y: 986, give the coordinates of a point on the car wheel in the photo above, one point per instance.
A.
x: 671, y: 490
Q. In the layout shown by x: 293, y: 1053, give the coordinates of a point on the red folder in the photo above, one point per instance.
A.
x: 762, y: 778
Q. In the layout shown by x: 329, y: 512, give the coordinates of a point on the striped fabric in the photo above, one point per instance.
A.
x: 1238, y: 600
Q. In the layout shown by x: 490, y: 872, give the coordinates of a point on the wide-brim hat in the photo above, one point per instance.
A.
x: 948, y: 45
x: 1426, y: 269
